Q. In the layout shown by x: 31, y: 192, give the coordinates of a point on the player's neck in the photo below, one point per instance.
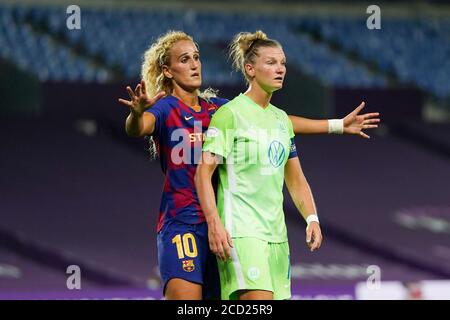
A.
x: 188, y: 98
x: 258, y: 95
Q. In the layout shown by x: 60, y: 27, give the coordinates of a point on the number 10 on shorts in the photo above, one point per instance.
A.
x: 186, y: 245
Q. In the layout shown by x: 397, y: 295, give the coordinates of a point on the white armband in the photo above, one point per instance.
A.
x: 311, y: 218
x: 336, y: 126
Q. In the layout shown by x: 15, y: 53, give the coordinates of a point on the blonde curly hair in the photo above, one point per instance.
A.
x: 158, y: 55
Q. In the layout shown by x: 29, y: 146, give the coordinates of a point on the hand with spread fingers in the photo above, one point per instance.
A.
x: 354, y: 123
x: 139, y: 100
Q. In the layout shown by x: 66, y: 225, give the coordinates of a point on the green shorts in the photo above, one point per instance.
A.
x: 256, y: 265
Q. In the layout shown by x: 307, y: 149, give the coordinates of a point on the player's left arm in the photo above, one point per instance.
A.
x: 302, y: 197
x: 353, y: 123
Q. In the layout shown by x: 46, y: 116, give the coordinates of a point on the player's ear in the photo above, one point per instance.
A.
x: 249, y: 70
x: 166, y: 72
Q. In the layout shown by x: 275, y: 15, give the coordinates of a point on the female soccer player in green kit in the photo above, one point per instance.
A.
x: 251, y: 143
x: 172, y: 64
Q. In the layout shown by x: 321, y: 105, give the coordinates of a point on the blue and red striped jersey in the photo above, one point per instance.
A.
x: 178, y: 135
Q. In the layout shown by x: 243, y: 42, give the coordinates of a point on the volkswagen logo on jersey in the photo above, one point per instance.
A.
x: 276, y: 153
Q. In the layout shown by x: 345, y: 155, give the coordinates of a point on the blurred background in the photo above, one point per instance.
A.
x: 76, y: 191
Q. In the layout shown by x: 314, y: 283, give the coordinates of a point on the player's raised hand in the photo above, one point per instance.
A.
x: 313, y: 236
x: 139, y: 100
x: 220, y: 241
x: 354, y: 123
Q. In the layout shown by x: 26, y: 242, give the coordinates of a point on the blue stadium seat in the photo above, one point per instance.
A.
x: 416, y: 51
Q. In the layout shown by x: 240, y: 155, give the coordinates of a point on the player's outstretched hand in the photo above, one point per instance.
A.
x: 354, y: 123
x: 139, y: 100
x: 313, y: 236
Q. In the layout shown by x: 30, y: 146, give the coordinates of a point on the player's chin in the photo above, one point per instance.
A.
x: 196, y: 82
x: 277, y: 87
x: 192, y: 85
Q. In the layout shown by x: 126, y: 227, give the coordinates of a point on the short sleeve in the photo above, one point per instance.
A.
x: 219, y: 101
x: 293, y: 147
x: 219, y: 137
x: 159, y: 110
x: 290, y: 127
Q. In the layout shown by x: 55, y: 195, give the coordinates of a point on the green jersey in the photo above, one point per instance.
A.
x: 255, y: 144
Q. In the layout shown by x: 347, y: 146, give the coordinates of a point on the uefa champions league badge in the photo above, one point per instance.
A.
x: 212, y: 132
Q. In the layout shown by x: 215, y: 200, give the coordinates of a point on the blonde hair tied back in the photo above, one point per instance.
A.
x: 244, y: 48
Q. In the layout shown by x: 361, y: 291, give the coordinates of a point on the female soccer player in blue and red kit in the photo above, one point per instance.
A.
x: 168, y: 105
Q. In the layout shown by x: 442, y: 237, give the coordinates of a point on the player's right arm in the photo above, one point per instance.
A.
x: 140, y: 123
x: 219, y: 239
x: 217, y: 146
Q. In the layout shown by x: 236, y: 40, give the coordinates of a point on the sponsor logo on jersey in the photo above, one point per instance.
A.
x: 198, y: 136
x: 276, y: 153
